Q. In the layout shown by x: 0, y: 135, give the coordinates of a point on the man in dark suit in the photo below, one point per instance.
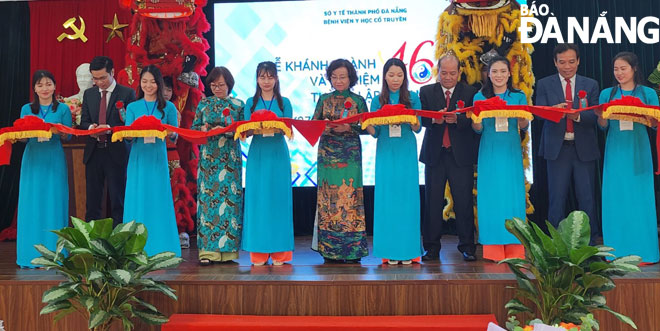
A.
x: 449, y: 152
x: 105, y: 161
x: 570, y: 146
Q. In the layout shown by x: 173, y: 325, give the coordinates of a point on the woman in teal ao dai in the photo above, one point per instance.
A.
x: 396, y: 219
x: 219, y: 178
x: 500, y: 173
x: 43, y: 191
x: 148, y: 197
x: 341, y: 227
x: 629, y: 211
x: 268, y: 218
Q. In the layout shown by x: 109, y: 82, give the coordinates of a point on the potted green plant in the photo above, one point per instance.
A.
x: 105, y: 270
x: 654, y: 78
x: 569, y: 276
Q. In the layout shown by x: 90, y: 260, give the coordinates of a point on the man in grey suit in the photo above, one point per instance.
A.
x: 570, y: 146
x: 105, y: 161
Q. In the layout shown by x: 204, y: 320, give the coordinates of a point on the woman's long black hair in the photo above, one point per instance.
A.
x: 38, y: 76
x: 632, y: 59
x: 404, y: 94
x: 487, y: 90
x: 267, y: 68
x: 158, y: 77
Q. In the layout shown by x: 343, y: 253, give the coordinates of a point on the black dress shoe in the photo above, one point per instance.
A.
x: 431, y: 256
x: 331, y: 261
x: 353, y: 261
x: 469, y: 257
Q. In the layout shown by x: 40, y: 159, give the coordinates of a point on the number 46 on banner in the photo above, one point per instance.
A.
x: 420, y: 70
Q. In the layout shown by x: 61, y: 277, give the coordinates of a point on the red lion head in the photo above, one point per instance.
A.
x: 480, y: 4
x: 162, y: 9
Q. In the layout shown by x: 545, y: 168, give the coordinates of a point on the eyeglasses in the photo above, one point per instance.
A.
x: 217, y: 87
x: 338, y: 77
x: 98, y: 79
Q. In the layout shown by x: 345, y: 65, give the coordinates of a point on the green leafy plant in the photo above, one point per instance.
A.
x: 569, y: 275
x: 654, y: 78
x: 105, y: 270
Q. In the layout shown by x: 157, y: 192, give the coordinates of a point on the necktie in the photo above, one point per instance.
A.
x: 569, y: 104
x: 103, y: 107
x: 446, y: 143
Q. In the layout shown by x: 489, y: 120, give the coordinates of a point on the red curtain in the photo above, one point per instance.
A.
x: 62, y: 58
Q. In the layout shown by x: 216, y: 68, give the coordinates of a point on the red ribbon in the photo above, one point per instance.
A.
x: 312, y: 130
x: 5, y: 153
x: 388, y: 110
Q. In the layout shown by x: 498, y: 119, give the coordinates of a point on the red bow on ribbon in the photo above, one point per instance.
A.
x: 263, y: 115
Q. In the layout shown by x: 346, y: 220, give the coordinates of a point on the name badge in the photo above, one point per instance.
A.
x: 395, y: 130
x: 625, y: 125
x: 149, y: 140
x: 501, y: 124
x: 42, y: 139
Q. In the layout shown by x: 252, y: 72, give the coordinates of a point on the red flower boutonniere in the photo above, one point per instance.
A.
x: 347, y: 105
x: 583, y: 98
x: 460, y: 104
x: 226, y: 113
x: 122, y: 112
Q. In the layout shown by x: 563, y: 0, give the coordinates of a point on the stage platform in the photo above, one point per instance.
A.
x: 309, y: 287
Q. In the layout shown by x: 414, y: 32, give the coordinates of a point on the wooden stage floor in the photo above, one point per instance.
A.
x: 307, y: 286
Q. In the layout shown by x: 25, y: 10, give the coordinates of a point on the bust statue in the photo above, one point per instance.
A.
x: 84, y: 80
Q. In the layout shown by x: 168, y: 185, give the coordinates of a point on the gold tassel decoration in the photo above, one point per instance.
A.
x: 448, y: 211
x: 398, y: 119
x: 529, y: 209
x: 263, y: 127
x: 481, y: 12
x: 630, y: 110
x: 483, y: 25
x: 121, y: 135
x: 278, y: 125
x: 501, y: 113
x: 246, y: 127
x: 24, y: 135
x: 449, y: 26
x: 630, y: 118
x: 525, y: 150
x: 625, y: 113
